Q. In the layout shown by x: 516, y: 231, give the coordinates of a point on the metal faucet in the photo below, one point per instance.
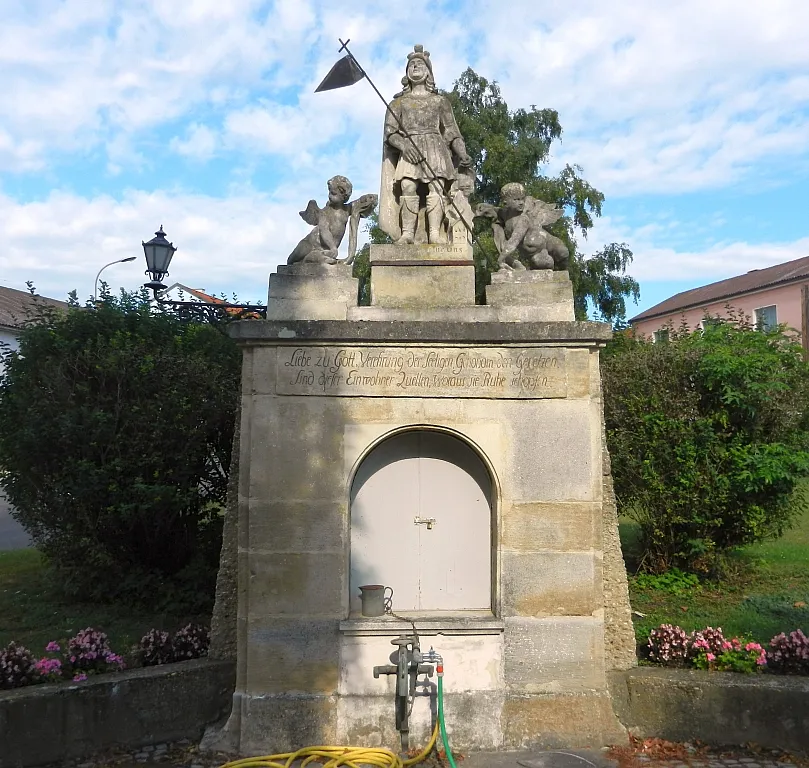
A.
x: 407, y: 668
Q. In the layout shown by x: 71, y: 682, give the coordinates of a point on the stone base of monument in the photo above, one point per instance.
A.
x: 531, y: 295
x: 316, y: 291
x: 422, y: 275
x: 452, y: 452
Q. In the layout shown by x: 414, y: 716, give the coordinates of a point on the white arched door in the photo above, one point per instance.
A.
x: 421, y: 523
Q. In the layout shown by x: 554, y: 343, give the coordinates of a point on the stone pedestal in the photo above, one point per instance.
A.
x: 315, y: 291
x: 537, y: 295
x: 422, y: 275
x: 334, y: 397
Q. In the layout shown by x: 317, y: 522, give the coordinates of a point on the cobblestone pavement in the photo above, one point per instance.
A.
x: 654, y: 753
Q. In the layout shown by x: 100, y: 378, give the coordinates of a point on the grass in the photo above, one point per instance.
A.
x: 767, y: 591
x: 33, y: 613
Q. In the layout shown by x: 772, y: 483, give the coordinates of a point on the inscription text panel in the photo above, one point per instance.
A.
x: 512, y: 372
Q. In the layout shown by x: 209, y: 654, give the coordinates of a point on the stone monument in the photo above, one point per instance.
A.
x: 453, y: 452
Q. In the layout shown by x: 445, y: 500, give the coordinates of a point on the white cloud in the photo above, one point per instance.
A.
x: 223, y: 244
x: 650, y: 100
x: 200, y: 142
x: 654, y: 260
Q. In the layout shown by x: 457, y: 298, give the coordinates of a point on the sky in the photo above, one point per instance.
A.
x: 119, y: 116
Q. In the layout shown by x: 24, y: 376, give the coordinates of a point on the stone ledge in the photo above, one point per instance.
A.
x: 719, y: 708
x: 44, y: 723
x: 433, y: 625
x: 584, y: 333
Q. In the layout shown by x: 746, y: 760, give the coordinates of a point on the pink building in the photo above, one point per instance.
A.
x: 771, y: 296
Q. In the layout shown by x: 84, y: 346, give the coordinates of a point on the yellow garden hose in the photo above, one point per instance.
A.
x: 332, y: 757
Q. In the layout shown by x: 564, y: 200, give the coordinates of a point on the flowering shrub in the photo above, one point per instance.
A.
x: 736, y: 656
x: 789, y: 654
x: 155, y: 648
x: 668, y: 645
x: 89, y: 652
x: 708, y: 641
x: 191, y: 642
x: 704, y: 649
x: 17, y: 666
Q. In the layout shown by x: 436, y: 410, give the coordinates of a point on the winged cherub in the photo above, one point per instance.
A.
x: 329, y: 224
x: 518, y: 228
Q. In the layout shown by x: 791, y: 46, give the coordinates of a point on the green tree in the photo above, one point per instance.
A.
x: 708, y: 438
x: 511, y: 146
x: 116, y: 423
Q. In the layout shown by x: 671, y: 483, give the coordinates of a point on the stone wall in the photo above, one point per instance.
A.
x: 45, y: 723
x: 719, y: 708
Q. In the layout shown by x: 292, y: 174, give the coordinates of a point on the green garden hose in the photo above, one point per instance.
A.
x: 443, y: 727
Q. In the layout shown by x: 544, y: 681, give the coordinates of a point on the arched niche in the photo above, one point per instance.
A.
x: 421, y: 523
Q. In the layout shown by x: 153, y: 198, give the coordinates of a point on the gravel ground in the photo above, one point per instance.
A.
x: 651, y: 753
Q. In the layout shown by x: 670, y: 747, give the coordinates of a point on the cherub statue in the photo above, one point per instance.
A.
x: 518, y: 228
x: 321, y: 244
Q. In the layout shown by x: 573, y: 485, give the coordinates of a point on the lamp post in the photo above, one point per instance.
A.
x: 159, y: 252
x: 117, y: 261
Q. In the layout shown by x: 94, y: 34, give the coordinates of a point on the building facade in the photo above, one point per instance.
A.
x: 777, y: 295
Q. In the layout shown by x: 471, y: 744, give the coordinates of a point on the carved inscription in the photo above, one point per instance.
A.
x: 524, y: 372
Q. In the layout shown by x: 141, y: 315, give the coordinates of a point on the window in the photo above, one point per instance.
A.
x: 661, y: 336
x: 711, y: 322
x: 766, y: 318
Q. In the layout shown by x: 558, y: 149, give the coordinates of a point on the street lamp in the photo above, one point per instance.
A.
x: 117, y: 261
x: 158, y: 252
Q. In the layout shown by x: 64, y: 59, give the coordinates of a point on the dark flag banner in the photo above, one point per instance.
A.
x: 344, y: 73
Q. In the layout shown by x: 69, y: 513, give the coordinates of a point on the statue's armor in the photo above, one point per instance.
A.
x: 431, y: 125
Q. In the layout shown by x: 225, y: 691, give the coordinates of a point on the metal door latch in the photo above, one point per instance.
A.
x: 428, y: 521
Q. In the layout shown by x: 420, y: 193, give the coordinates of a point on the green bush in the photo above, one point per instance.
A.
x: 116, y: 424
x: 708, y: 438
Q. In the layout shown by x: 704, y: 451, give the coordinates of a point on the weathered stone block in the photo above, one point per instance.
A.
x: 548, y: 294
x: 273, y: 724
x: 554, y: 654
x: 261, y: 379
x: 309, y: 467
x: 306, y: 309
x: 579, y: 378
x: 562, y: 721
x: 297, y: 526
x: 423, y: 286
x: 552, y: 452
x: 561, y: 525
x: 292, y: 656
x: 476, y: 314
x: 475, y: 661
x: 384, y: 254
x: 550, y: 583
x: 301, y: 287
x: 296, y: 584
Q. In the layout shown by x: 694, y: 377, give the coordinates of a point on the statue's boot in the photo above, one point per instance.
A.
x: 435, y: 219
x: 410, y: 218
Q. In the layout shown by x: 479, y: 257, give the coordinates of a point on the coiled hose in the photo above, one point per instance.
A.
x: 353, y: 757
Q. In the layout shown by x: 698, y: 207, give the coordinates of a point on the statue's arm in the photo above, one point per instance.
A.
x: 392, y: 135
x: 517, y: 235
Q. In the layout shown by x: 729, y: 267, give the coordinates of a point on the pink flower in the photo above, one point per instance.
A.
x: 79, y: 678
x: 710, y: 657
x: 52, y: 646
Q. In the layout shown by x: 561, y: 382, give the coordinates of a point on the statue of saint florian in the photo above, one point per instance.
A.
x: 419, y: 127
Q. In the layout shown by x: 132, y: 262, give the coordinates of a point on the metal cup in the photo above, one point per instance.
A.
x: 375, y: 601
